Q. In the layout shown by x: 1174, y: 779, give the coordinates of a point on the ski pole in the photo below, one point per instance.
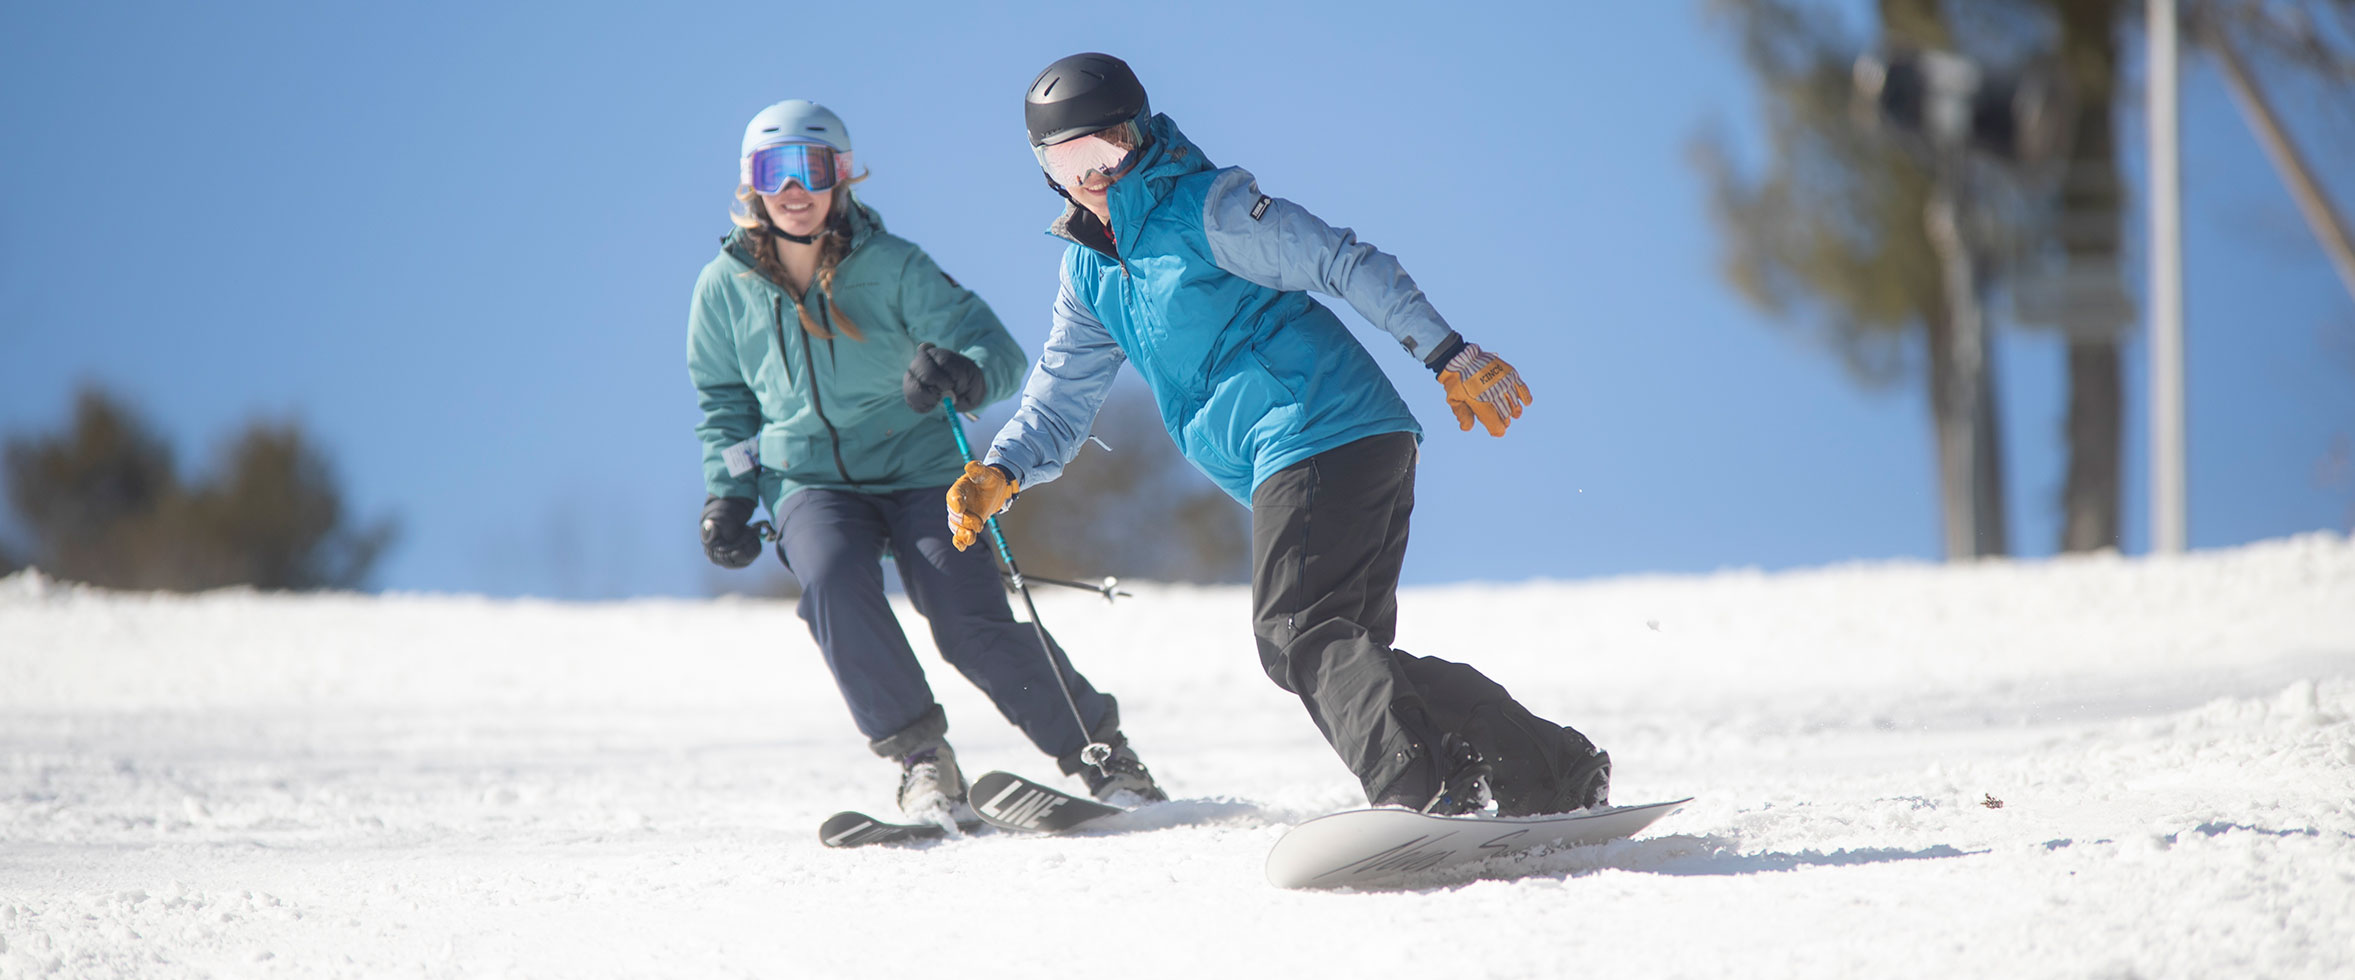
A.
x: 1109, y: 590
x: 1096, y: 753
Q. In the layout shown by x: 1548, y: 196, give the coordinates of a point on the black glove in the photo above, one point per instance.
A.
x: 937, y: 373
x: 728, y: 538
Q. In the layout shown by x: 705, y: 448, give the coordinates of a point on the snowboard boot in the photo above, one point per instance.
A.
x: 931, y: 788
x: 1582, y: 780
x: 1589, y: 784
x: 1455, y: 786
x: 1536, y: 766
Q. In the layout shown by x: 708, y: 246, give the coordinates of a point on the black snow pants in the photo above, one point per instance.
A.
x: 834, y: 542
x: 1328, y: 537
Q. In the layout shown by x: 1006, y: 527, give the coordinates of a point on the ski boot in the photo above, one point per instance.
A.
x: 931, y: 787
x: 1123, y: 781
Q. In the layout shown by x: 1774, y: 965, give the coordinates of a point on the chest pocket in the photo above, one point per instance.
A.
x: 768, y: 347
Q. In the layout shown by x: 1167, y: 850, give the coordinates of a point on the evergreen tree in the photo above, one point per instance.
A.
x: 103, y: 504
x: 87, y: 498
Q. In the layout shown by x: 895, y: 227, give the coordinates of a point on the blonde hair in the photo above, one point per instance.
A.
x: 833, y: 244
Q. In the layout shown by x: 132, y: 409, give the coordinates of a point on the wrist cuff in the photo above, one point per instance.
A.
x: 1446, y: 351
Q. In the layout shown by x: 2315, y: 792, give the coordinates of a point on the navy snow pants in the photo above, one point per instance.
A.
x: 834, y: 542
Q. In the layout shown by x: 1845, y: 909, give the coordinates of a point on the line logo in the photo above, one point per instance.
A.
x: 1022, y: 806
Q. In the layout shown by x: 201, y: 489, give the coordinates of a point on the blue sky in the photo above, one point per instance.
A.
x: 455, y: 241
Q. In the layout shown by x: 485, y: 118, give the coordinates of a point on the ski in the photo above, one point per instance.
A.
x: 851, y: 828
x: 1010, y: 802
x: 1385, y: 846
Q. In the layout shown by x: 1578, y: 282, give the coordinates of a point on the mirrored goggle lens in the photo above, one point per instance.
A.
x: 1072, y: 162
x: 772, y: 166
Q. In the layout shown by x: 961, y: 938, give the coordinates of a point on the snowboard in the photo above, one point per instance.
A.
x: 851, y: 828
x: 1361, y: 847
x: 1010, y: 802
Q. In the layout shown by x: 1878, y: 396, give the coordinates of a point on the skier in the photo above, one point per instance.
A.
x: 1189, y: 272
x: 822, y: 348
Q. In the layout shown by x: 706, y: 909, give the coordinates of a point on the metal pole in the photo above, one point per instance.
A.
x: 2166, y: 365
x: 2313, y: 202
x: 1110, y: 590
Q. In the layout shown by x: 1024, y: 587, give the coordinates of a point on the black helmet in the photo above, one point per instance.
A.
x: 1080, y: 95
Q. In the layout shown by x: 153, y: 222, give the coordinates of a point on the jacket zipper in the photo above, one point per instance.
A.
x: 1114, y: 237
x: 817, y: 403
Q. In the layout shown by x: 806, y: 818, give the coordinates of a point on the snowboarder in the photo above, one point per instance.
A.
x: 1189, y: 272
x: 822, y: 348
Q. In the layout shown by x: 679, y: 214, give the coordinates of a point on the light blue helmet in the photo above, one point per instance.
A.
x: 796, y: 121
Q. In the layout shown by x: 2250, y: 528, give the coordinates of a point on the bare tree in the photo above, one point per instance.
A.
x: 2092, y: 311
x: 1839, y: 229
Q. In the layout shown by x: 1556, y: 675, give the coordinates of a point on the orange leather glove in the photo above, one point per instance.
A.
x: 1480, y: 385
x: 982, y: 493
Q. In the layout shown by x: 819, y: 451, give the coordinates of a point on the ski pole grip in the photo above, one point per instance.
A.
x: 965, y: 449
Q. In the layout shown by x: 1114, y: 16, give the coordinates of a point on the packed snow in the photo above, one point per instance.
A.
x: 2082, y: 767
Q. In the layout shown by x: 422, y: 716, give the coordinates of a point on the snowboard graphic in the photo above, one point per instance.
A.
x: 1359, y: 847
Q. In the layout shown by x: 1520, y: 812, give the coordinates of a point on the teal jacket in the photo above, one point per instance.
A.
x: 1202, y: 282
x: 784, y: 411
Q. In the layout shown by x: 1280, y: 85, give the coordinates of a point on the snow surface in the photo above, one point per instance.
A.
x: 248, y: 785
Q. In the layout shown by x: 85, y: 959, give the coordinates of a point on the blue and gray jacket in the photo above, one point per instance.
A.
x: 1202, y: 282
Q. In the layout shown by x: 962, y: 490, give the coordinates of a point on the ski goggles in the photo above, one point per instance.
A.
x: 1073, y: 161
x: 818, y: 168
